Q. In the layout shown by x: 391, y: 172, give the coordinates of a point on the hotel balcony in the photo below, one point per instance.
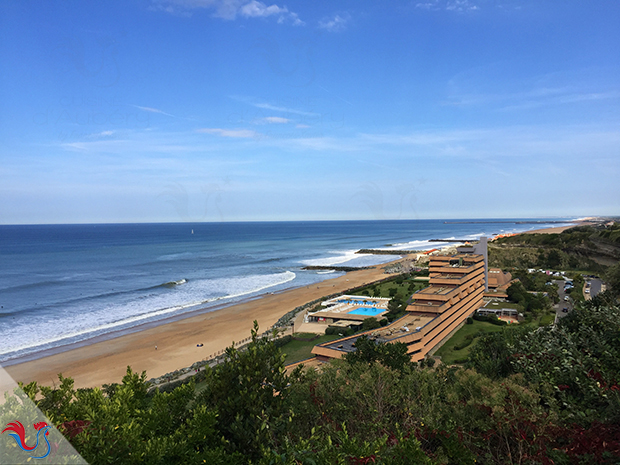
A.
x: 457, y: 268
x: 428, y: 307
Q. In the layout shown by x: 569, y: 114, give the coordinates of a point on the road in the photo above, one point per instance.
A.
x: 568, y: 304
x: 595, y: 286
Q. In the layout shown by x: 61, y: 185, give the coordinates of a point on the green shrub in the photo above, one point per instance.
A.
x: 489, y: 319
x: 466, y: 342
x: 344, y: 331
x: 282, y: 341
x: 370, y: 323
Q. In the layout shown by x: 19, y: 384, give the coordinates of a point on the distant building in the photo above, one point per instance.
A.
x: 457, y: 284
x: 498, y: 278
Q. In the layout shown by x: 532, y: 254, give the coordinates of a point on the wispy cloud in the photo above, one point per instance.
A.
x: 153, y: 110
x: 272, y: 120
x: 271, y: 107
x: 131, y: 143
x: 336, y: 23
x: 230, y: 9
x: 448, y: 5
x: 236, y: 133
x: 494, y: 87
x: 561, y: 99
x: 268, y: 106
x: 535, y: 98
x: 102, y: 134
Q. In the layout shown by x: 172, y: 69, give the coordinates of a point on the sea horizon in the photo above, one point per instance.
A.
x: 533, y: 219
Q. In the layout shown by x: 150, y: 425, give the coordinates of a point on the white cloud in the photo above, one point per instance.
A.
x: 336, y: 24
x: 236, y: 133
x: 229, y: 9
x: 256, y: 9
x: 272, y: 120
x: 102, y: 134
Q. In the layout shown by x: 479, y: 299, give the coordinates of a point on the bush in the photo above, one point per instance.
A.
x: 344, y: 331
x: 282, y: 341
x: 490, y: 319
x: 370, y: 323
x: 470, y: 321
x: 466, y: 342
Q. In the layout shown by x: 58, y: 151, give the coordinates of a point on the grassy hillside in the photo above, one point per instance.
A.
x: 585, y: 248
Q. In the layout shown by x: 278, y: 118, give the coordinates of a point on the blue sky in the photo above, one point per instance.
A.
x: 233, y: 110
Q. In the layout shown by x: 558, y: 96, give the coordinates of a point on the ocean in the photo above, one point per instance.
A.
x: 63, y: 284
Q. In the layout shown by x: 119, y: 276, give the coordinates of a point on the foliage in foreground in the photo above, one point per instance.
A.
x: 548, y: 396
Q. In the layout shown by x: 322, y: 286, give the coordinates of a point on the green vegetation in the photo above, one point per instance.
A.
x: 390, y: 355
x: 584, y: 248
x: 296, y: 350
x: 534, y: 298
x: 456, y: 349
x: 528, y: 396
x: 612, y: 277
x: 401, y: 286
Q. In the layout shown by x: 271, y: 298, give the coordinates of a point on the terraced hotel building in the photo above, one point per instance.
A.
x: 457, y: 284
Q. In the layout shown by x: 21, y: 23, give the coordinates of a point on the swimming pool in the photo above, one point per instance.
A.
x: 366, y: 311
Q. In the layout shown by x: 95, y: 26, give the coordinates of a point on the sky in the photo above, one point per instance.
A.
x: 242, y: 110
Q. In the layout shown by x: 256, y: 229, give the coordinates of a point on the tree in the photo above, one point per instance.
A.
x: 396, y: 308
x: 248, y: 392
x: 130, y: 426
x: 370, y: 323
x: 612, y: 278
x: 391, y: 355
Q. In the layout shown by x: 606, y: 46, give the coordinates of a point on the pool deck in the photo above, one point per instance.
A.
x: 341, y: 308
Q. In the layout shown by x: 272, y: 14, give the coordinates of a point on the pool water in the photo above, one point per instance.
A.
x: 366, y: 311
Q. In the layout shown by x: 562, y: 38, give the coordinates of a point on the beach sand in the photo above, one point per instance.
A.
x: 106, y: 362
x: 559, y: 229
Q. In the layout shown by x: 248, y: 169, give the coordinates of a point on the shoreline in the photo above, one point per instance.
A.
x: 104, y: 359
x: 559, y: 229
x: 133, y: 329
x: 104, y: 362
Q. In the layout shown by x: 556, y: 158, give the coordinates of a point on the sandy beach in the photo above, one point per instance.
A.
x: 106, y: 362
x: 559, y: 229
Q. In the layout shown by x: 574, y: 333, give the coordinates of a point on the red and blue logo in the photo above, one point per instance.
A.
x: 18, y: 432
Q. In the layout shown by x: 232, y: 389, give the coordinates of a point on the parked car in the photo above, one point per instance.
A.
x: 565, y: 310
x: 566, y: 298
